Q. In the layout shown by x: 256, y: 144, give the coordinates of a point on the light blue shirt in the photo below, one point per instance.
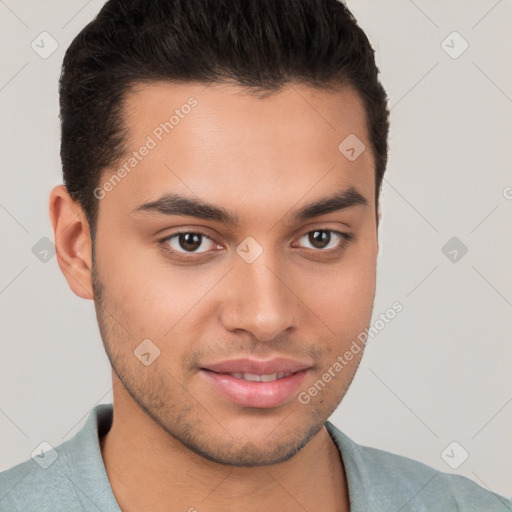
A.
x: 72, y: 477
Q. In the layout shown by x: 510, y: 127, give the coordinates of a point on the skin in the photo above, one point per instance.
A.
x: 175, y: 439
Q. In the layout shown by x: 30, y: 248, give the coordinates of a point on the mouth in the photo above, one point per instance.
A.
x: 256, y: 384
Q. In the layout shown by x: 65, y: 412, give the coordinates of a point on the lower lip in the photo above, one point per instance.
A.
x: 256, y: 394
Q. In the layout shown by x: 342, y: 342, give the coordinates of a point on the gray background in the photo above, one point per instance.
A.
x: 441, y: 371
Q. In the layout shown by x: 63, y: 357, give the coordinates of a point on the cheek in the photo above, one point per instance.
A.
x: 150, y: 297
x: 131, y: 281
x: 342, y: 296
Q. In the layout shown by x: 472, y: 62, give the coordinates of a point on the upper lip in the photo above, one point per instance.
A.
x: 258, y: 367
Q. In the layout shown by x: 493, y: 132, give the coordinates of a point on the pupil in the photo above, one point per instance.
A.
x: 190, y: 241
x: 319, y: 241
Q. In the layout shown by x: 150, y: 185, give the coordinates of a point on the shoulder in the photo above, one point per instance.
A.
x: 389, y: 481
x: 70, y: 477
x: 43, y: 486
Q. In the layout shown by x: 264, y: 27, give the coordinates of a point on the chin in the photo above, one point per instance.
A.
x: 248, y: 454
x: 245, y: 452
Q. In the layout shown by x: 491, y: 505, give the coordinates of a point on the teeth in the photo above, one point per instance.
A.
x: 253, y: 377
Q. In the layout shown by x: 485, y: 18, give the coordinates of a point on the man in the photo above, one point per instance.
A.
x: 222, y: 163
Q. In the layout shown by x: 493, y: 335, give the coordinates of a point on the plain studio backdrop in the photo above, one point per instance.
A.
x: 435, y: 383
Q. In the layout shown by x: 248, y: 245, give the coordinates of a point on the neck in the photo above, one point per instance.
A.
x: 149, y: 469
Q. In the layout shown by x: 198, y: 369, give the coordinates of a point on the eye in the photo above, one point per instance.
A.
x: 325, y: 239
x: 189, y: 242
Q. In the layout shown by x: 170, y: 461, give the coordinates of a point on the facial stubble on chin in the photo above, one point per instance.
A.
x: 149, y: 395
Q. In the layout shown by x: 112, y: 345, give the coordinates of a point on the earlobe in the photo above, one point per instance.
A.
x: 72, y: 241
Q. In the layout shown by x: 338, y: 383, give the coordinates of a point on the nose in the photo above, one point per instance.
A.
x: 258, y: 299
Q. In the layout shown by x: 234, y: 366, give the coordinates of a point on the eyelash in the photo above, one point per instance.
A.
x: 346, y: 239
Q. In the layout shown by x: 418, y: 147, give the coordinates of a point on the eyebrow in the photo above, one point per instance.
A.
x: 175, y: 204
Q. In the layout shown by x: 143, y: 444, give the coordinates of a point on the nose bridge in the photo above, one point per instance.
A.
x: 259, y: 300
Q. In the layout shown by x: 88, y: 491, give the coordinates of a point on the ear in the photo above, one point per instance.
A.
x: 72, y: 241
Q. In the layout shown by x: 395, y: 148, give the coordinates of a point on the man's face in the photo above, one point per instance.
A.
x: 274, y: 294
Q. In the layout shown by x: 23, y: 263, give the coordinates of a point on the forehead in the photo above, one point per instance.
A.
x: 302, y: 112
x: 222, y: 143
